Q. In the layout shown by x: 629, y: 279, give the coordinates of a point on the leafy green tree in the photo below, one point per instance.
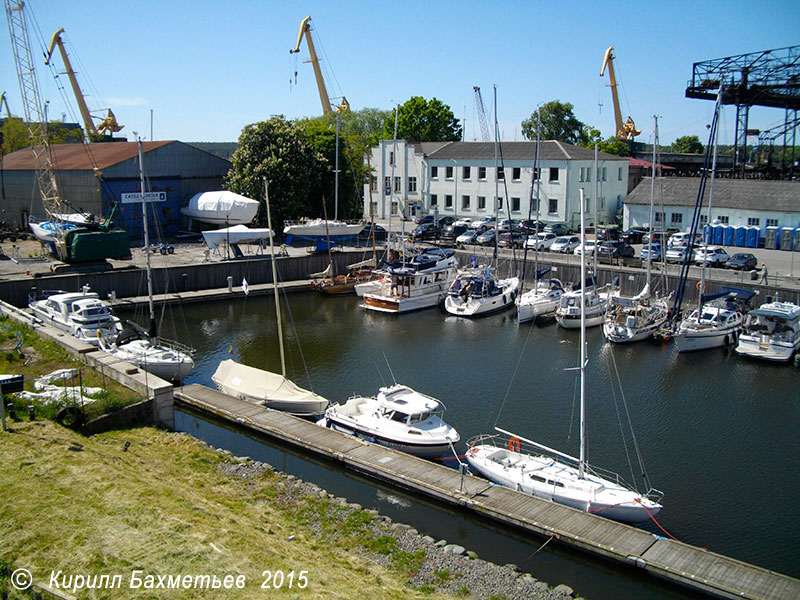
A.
x: 280, y: 151
x: 423, y: 120
x: 688, y: 144
x: 557, y: 123
x: 15, y: 135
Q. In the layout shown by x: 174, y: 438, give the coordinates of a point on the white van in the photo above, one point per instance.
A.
x: 682, y: 239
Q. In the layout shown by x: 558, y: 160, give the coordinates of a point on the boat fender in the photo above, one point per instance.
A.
x: 514, y: 444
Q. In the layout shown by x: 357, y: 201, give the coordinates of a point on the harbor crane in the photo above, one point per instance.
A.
x: 626, y: 130
x: 481, y: 114
x: 327, y: 104
x: 109, y: 123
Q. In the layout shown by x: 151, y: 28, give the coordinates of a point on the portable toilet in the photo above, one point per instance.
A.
x: 753, y: 236
x: 708, y: 234
x: 741, y: 236
x: 796, y: 245
x: 729, y: 235
x: 719, y: 234
x: 786, y: 234
x: 771, y: 241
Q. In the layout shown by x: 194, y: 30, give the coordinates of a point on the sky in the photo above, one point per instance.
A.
x: 199, y: 71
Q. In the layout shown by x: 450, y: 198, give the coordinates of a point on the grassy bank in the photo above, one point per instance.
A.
x: 170, y: 506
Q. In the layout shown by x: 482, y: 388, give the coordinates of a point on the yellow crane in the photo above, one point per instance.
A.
x: 109, y: 123
x: 327, y: 104
x: 627, y: 130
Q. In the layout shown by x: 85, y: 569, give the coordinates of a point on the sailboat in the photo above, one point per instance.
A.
x: 557, y: 476
x: 262, y: 387
x: 166, y: 359
x: 630, y: 319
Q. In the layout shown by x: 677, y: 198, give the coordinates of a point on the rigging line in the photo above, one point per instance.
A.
x: 575, y: 394
x: 294, y: 328
x: 513, y: 375
x: 619, y: 417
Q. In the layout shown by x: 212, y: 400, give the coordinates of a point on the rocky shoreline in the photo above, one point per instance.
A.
x: 443, y: 567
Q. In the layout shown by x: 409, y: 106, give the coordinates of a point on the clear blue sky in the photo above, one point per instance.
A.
x: 207, y: 69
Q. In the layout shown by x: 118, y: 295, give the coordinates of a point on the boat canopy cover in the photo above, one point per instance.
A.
x: 222, y: 206
x: 237, y: 378
x: 238, y: 234
x: 733, y: 293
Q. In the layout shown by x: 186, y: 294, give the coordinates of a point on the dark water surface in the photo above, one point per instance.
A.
x: 718, y: 433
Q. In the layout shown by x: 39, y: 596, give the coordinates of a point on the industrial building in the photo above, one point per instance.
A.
x: 93, y: 177
x: 460, y: 179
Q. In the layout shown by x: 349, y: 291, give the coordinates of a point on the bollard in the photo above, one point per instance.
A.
x: 185, y: 279
x: 112, y: 296
x: 230, y: 283
x: 31, y: 412
x: 11, y: 411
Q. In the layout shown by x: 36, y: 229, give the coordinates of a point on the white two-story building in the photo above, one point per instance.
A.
x: 465, y: 179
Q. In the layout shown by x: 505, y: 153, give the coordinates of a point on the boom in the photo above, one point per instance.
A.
x: 627, y: 130
x: 305, y: 29
x: 481, y: 114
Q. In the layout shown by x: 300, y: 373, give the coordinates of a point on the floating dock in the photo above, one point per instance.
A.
x: 680, y: 563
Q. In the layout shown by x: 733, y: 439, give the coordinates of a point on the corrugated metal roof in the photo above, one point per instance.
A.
x: 81, y: 157
x: 756, y: 194
x: 638, y: 162
x: 550, y: 150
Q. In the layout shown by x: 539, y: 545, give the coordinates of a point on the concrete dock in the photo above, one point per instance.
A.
x: 679, y: 563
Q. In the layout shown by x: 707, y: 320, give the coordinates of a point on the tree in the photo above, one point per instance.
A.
x: 688, y: 144
x: 557, y: 123
x: 279, y: 150
x: 15, y: 135
x: 421, y: 120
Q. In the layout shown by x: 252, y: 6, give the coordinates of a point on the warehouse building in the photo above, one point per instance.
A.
x: 460, y: 179
x: 92, y: 178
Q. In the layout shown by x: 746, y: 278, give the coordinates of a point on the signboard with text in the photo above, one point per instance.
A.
x: 129, y: 198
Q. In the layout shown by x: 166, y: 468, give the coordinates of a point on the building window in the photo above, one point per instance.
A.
x: 387, y: 185
x: 391, y: 159
x: 723, y: 219
x: 659, y: 217
x: 703, y: 220
x: 412, y: 184
x: 552, y: 206
x: 754, y: 221
x: 588, y: 207
x: 516, y: 174
x: 553, y: 173
x: 394, y: 207
x: 500, y: 173
x: 602, y: 202
x: 465, y: 172
x: 373, y: 183
x: 537, y: 173
x: 514, y: 204
x: 499, y: 204
x: 434, y: 200
x: 580, y: 175
x: 604, y: 173
x: 434, y: 172
x: 448, y: 201
x: 448, y: 172
x: 481, y: 202
x: 536, y: 205
x: 772, y: 222
x: 465, y: 202
x: 482, y: 173
x: 619, y: 174
x: 397, y: 184
x: 676, y: 219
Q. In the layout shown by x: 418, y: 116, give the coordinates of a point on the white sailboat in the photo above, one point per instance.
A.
x: 557, y: 476
x: 269, y: 389
x: 585, y: 306
x: 163, y: 358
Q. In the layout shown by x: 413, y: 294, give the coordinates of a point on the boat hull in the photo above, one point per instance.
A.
x: 161, y: 362
x: 430, y: 450
x: 482, y: 306
x: 690, y: 340
x: 764, y: 348
x: 573, y: 321
x: 396, y: 304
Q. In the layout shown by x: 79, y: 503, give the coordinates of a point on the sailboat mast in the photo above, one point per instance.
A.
x: 652, y: 196
x: 710, y: 203
x: 152, y: 331
x: 582, y: 463
x: 274, y: 280
x: 496, y: 179
x: 335, y: 177
x: 391, y: 178
x: 596, y: 204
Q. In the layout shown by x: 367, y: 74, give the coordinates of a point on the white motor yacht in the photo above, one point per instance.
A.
x: 716, y: 322
x: 771, y: 332
x: 568, y: 312
x: 81, y: 314
x: 398, y: 417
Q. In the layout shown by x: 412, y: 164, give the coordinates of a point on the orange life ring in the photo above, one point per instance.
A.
x: 514, y: 444
x: 701, y: 287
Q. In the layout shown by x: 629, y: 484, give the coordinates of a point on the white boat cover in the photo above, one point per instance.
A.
x: 221, y: 207
x: 238, y: 234
x: 264, y: 386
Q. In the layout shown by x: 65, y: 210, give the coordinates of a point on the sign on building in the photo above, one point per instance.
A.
x: 130, y: 198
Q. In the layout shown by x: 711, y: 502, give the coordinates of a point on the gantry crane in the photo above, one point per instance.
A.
x: 327, y: 104
x: 627, y: 130
x: 481, y: 114
x: 109, y: 123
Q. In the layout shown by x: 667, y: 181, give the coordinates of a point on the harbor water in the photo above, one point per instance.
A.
x: 717, y: 433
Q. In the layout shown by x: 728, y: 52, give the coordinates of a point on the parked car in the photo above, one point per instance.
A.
x: 651, y: 252
x: 588, y: 248
x: 468, y: 237
x: 682, y: 239
x: 565, y: 244
x: 676, y: 254
x: 426, y: 231
x: 511, y: 239
x: 541, y: 241
x: 465, y: 221
x: 486, y: 238
x: 607, y: 233
x: 714, y: 256
x: 532, y: 225
x: 451, y: 232
x: 560, y: 228
x: 509, y: 225
x: 482, y: 222
x: 615, y: 249
x: 633, y: 235
x: 422, y: 219
x: 444, y: 221
x: 742, y: 261
x: 658, y: 236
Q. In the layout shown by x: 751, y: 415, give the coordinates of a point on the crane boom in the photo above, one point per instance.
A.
x: 305, y: 29
x: 481, y: 114
x: 627, y: 130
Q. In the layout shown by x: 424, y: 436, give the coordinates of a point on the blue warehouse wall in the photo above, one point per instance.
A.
x: 163, y: 217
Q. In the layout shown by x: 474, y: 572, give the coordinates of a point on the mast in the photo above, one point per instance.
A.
x: 582, y: 463
x: 391, y: 178
x: 652, y: 197
x: 335, y: 178
x: 534, y: 182
x: 152, y: 331
x: 596, y: 203
x: 705, y: 237
x: 274, y: 280
x: 496, y: 180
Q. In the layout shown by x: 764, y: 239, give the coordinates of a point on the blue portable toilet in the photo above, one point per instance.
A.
x: 729, y: 235
x: 708, y: 234
x: 771, y: 239
x: 753, y: 236
x: 785, y: 238
x: 796, y: 244
x: 741, y: 236
x: 719, y: 234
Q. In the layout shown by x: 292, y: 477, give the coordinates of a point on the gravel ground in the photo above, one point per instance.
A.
x: 447, y: 568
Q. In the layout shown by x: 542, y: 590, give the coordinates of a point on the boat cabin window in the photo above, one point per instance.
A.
x: 399, y: 417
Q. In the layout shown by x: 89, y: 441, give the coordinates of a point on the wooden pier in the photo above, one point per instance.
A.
x: 680, y: 563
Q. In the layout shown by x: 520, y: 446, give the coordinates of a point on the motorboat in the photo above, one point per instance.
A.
x: 81, y: 314
x: 413, y: 283
x: 476, y: 292
x: 272, y: 390
x: 221, y: 208
x: 771, y: 332
x: 716, y: 322
x: 541, y: 300
x: 238, y: 234
x: 634, y: 319
x: 325, y: 233
x: 398, y: 417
